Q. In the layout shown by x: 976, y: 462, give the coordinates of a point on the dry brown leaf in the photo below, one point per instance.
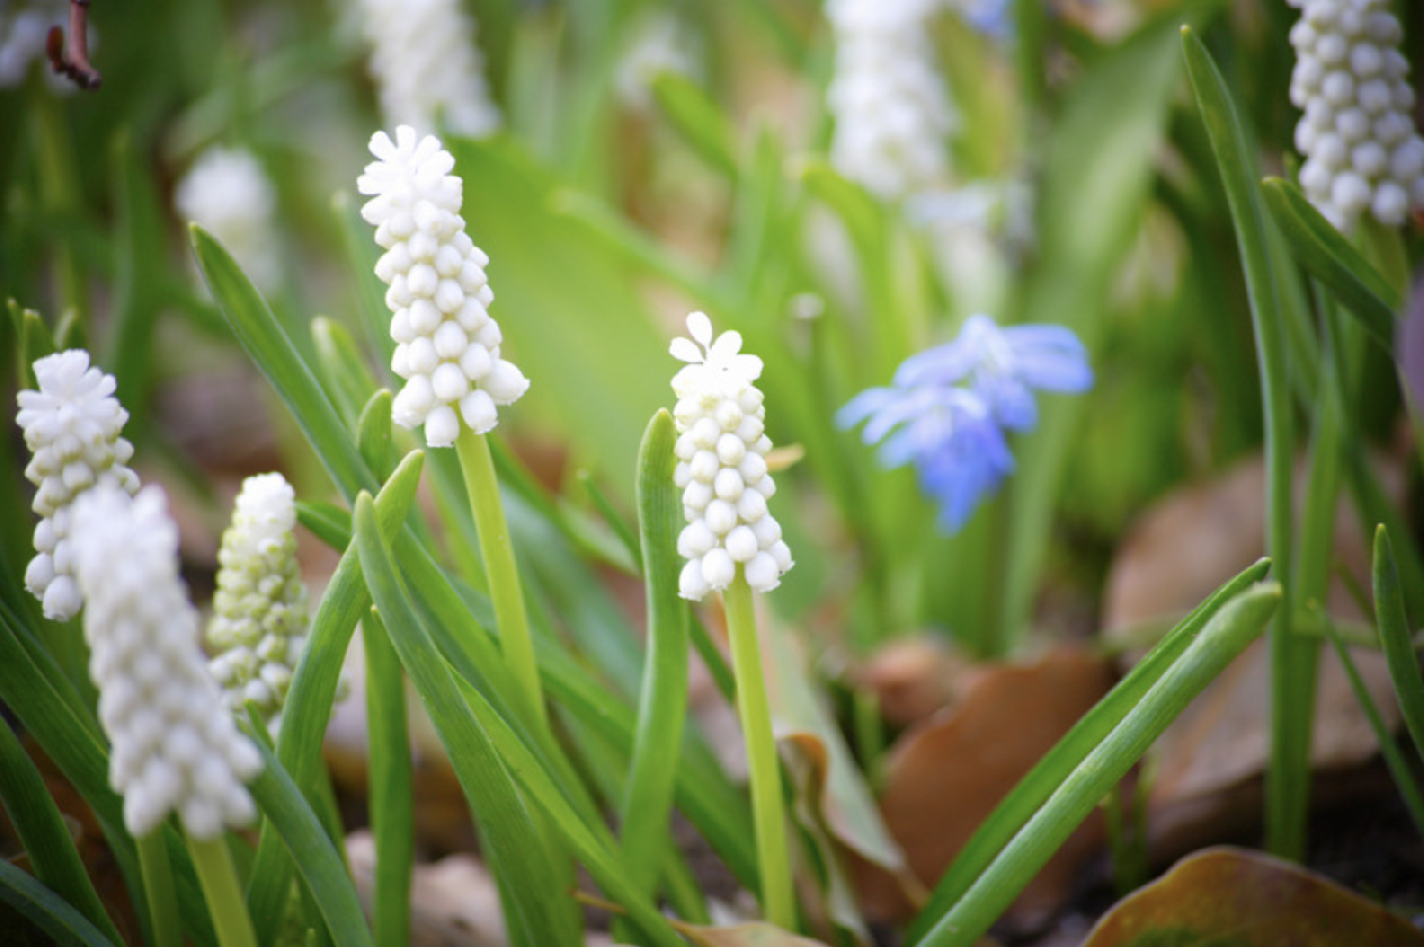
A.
x: 914, y: 677
x: 1210, y: 757
x: 944, y: 777
x: 1229, y: 896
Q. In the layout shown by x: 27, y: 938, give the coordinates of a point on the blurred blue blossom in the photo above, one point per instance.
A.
x: 948, y: 408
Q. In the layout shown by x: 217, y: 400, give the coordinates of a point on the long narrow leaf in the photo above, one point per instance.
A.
x: 1398, y: 766
x: 1293, y: 659
x: 50, y: 913
x: 313, y: 852
x: 1227, y: 634
x: 1049, y: 774
x: 1330, y: 258
x: 1394, y: 636
x: 44, y: 835
x: 313, y: 690
x: 511, y: 839
x: 275, y: 354
x: 592, y: 841
x: 662, y: 708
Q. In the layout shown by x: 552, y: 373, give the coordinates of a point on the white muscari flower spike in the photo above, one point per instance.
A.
x: 260, y: 612
x: 892, y: 113
x: 175, y: 746
x: 721, y: 466
x: 427, y: 67
x: 1362, y: 153
x: 228, y: 193
x: 447, y: 345
x: 72, y: 426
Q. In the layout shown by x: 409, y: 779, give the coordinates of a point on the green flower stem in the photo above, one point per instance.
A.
x: 505, y: 590
x: 158, y: 890
x: 768, y: 815
x: 1292, y: 692
x: 213, y: 863
x: 1225, y: 636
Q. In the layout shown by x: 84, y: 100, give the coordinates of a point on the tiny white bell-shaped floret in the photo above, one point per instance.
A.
x: 72, y: 427
x: 448, y: 348
x: 175, y: 746
x: 721, y: 454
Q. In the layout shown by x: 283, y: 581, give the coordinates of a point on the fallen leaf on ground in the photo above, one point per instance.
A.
x: 833, y: 802
x: 944, y: 777
x: 1227, y: 897
x: 914, y: 677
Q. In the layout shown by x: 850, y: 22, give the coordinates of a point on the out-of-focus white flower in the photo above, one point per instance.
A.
x: 892, y: 114
x: 260, y: 612
x: 427, y: 67
x: 227, y: 193
x: 175, y: 746
x: 447, y: 344
x: 721, y: 466
x: 1361, y: 149
x: 658, y: 46
x: 72, y: 426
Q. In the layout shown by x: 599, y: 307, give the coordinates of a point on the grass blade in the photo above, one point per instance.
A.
x: 1394, y: 636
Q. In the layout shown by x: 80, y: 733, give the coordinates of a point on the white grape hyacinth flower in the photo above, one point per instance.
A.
x: 427, y: 67
x: 175, y: 746
x: 721, y: 466
x: 447, y: 346
x: 227, y: 192
x: 1362, y: 153
x: 892, y: 114
x: 72, y: 427
x: 260, y: 613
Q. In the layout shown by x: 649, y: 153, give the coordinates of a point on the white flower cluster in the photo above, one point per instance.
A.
x: 447, y: 344
x: 260, y: 612
x: 721, y: 466
x: 892, y: 113
x: 1362, y: 152
x: 72, y: 425
x: 175, y: 746
x: 427, y: 67
x: 227, y: 193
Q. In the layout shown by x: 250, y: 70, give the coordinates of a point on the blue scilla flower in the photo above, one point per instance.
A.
x: 949, y: 408
x: 1002, y: 366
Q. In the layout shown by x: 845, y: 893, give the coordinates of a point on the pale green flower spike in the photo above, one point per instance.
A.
x: 260, y: 613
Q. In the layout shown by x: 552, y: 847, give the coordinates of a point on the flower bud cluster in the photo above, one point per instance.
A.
x: 175, y: 746
x: 447, y: 344
x: 427, y: 66
x: 721, y: 466
x: 71, y: 426
x: 1362, y: 152
x: 229, y: 194
x: 888, y: 99
x: 260, y: 612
